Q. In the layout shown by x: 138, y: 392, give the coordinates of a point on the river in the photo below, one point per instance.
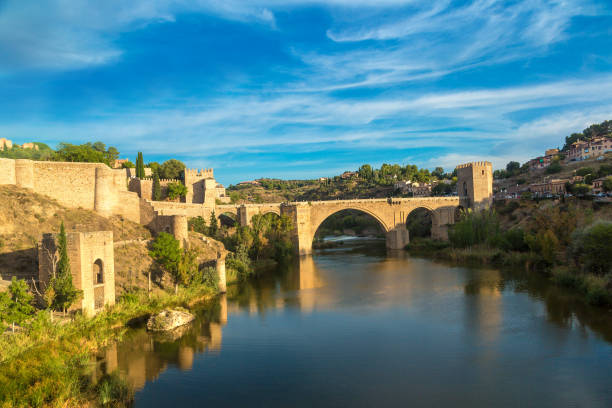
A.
x: 358, y: 326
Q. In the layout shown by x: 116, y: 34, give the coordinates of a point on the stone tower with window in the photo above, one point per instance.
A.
x: 91, y: 257
x: 475, y: 185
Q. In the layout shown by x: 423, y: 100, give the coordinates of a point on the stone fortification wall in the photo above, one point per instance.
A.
x: 92, y: 186
x: 144, y: 187
x: 172, y: 224
x: 7, y: 171
x: 186, y: 209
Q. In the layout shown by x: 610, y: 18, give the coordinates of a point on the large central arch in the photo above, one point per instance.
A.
x: 325, y: 216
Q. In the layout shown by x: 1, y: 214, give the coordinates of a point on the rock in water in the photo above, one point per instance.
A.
x: 168, y: 320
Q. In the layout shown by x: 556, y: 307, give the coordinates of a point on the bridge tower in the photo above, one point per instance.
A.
x: 475, y: 185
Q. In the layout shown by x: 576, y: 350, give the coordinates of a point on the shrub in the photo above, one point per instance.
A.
x: 197, y: 224
x: 176, y: 190
x: 475, y: 228
x: 554, y: 167
x: 592, y: 247
x: 583, y: 171
x: 544, y: 243
x: 514, y: 240
x: 240, y: 262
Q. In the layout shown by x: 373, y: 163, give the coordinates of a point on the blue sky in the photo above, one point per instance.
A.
x: 298, y: 89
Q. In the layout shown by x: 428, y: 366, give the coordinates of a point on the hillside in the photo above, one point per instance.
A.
x: 25, y: 216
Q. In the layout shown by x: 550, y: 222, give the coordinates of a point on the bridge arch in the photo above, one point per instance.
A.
x: 321, y: 217
x: 420, y: 222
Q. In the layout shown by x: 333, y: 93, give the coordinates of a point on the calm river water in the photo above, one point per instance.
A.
x: 357, y: 326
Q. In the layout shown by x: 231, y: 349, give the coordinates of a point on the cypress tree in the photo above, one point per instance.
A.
x: 64, y: 290
x: 213, y: 228
x: 157, y: 193
x: 137, y: 166
x: 140, y: 172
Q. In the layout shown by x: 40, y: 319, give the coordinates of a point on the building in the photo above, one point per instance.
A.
x: 91, y: 256
x: 6, y: 144
x: 551, y: 152
x: 414, y: 188
x: 119, y: 163
x: 554, y: 187
x: 582, y: 150
x: 542, y: 162
x: 598, y: 184
x: 249, y: 183
x: 349, y: 174
x: 29, y: 146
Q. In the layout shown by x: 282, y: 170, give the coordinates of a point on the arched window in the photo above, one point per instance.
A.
x: 98, y: 272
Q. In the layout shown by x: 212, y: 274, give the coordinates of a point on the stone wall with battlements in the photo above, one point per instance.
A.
x: 144, y: 187
x: 92, y: 186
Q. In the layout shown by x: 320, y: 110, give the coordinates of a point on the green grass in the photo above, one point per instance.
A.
x: 47, y: 363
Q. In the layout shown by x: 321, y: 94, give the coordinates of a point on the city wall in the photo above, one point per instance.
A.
x: 92, y: 186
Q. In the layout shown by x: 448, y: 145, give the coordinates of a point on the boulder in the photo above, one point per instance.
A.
x: 169, y: 319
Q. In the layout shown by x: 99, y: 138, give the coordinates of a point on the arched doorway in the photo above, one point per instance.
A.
x: 419, y: 223
x: 345, y: 225
x: 98, y: 283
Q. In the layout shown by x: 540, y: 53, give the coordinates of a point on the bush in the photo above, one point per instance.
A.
x: 514, y: 240
x: 592, y: 247
x: 240, y: 262
x: 544, y: 243
x: 584, y: 171
x: 554, y: 167
x: 475, y: 228
x: 176, y: 190
x: 197, y: 224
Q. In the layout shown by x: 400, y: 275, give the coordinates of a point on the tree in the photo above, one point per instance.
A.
x: 513, y: 167
x: 20, y: 306
x: 155, y: 167
x: 140, y: 172
x: 213, y: 226
x: 128, y: 165
x: 176, y: 190
x: 166, y: 251
x: 157, y: 192
x: 172, y: 169
x: 365, y: 172
x: 438, y: 173
x: 555, y: 167
x: 65, y: 294
x: 593, y: 247
x: 607, y: 184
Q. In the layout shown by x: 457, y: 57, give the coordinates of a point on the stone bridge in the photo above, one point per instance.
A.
x: 391, y: 214
x: 475, y: 188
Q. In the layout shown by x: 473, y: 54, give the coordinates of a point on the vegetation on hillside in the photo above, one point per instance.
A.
x: 44, y: 152
x: 572, y: 241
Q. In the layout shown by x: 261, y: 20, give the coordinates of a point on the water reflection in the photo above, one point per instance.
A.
x: 142, y: 356
x: 411, y: 324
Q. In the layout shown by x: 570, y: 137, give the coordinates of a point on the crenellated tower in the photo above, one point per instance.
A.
x: 475, y: 184
x: 201, y: 186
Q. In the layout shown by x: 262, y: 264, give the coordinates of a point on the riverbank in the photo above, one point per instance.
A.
x: 47, y: 362
x: 594, y: 289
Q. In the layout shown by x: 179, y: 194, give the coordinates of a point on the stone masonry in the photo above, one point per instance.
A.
x: 91, y: 256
